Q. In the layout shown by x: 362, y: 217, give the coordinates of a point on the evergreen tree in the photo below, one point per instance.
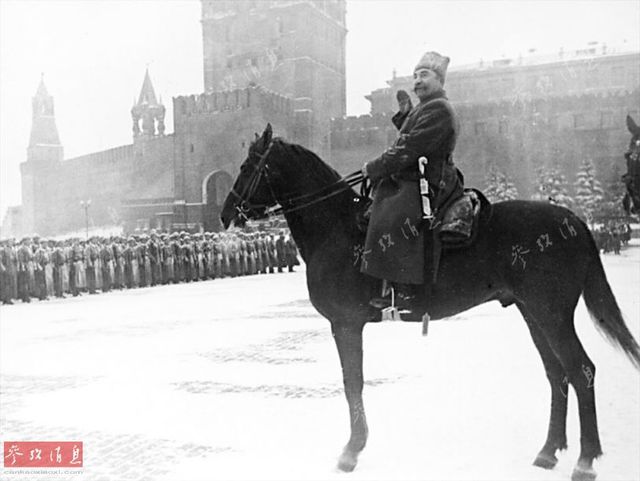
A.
x: 498, y: 187
x: 552, y: 187
x: 589, y: 194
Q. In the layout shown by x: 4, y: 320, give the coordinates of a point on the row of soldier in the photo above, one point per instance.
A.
x: 44, y: 268
x: 612, y: 237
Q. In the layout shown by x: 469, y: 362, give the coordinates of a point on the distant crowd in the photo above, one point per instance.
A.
x: 611, y: 237
x: 45, y: 268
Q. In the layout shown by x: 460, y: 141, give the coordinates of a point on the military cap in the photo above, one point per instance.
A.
x: 436, y: 62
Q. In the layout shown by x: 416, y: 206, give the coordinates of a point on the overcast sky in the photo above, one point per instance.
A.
x: 93, y: 54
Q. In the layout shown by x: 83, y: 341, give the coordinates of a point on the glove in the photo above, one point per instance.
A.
x: 404, y: 101
x: 378, y: 168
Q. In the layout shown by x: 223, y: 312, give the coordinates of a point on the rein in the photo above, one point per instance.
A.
x: 345, y: 183
x: 287, y: 205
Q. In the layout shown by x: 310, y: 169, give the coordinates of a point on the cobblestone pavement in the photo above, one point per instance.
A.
x: 239, y: 379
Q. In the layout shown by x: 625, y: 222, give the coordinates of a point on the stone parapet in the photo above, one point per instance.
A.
x: 232, y: 100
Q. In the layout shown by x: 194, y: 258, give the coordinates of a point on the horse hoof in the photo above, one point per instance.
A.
x: 583, y: 474
x: 545, y: 461
x: 347, y: 462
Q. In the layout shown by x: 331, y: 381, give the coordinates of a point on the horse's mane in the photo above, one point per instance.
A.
x: 300, y: 161
x: 311, y: 163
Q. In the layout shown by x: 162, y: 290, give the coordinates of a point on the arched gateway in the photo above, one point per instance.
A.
x: 215, y: 188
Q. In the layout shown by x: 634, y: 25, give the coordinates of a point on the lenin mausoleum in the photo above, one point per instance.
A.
x: 284, y: 62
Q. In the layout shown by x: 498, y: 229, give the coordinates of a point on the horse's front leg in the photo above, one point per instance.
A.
x: 348, y: 339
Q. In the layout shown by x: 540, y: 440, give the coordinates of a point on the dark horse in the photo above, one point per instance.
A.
x: 536, y: 255
x: 631, y: 201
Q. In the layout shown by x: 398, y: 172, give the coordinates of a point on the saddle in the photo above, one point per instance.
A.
x: 461, y: 219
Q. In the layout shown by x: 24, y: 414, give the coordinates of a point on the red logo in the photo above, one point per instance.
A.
x: 43, y: 454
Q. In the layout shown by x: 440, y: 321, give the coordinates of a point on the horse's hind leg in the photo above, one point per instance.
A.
x: 557, y: 433
x: 558, y: 329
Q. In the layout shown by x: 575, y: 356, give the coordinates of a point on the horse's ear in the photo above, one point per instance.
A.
x: 257, y: 136
x: 267, y: 134
x: 632, y: 126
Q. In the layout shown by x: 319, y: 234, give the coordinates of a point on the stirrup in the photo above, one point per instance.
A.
x: 391, y: 313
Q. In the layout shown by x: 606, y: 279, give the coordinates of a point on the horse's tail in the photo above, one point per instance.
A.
x: 605, y: 312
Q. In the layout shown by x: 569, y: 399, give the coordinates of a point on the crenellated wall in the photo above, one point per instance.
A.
x: 270, y: 102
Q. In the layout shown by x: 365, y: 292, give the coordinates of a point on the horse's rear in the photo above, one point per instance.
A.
x: 544, y: 252
x: 522, y: 247
x: 542, y: 258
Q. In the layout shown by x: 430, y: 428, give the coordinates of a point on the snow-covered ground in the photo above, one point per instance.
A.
x: 240, y: 379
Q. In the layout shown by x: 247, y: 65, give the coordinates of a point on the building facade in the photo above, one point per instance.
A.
x: 518, y: 114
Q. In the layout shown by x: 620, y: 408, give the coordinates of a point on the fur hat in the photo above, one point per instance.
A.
x: 436, y: 62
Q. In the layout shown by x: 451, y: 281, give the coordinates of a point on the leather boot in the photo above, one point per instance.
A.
x: 403, y: 296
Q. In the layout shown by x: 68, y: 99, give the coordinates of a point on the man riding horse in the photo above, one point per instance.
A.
x: 400, y: 217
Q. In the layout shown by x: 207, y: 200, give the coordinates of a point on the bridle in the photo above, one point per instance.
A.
x: 287, y: 204
x: 244, y: 206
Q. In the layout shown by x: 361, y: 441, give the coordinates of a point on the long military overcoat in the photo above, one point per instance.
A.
x: 394, y: 247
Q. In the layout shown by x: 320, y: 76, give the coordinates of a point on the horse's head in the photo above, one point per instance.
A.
x: 631, y: 179
x: 277, y: 172
x: 251, y: 194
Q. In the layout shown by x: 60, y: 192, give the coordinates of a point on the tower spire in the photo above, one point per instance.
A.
x: 147, y: 93
x: 43, y: 122
x: 148, y: 110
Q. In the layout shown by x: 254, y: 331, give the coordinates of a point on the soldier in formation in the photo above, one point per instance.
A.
x: 612, y: 236
x: 48, y: 268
